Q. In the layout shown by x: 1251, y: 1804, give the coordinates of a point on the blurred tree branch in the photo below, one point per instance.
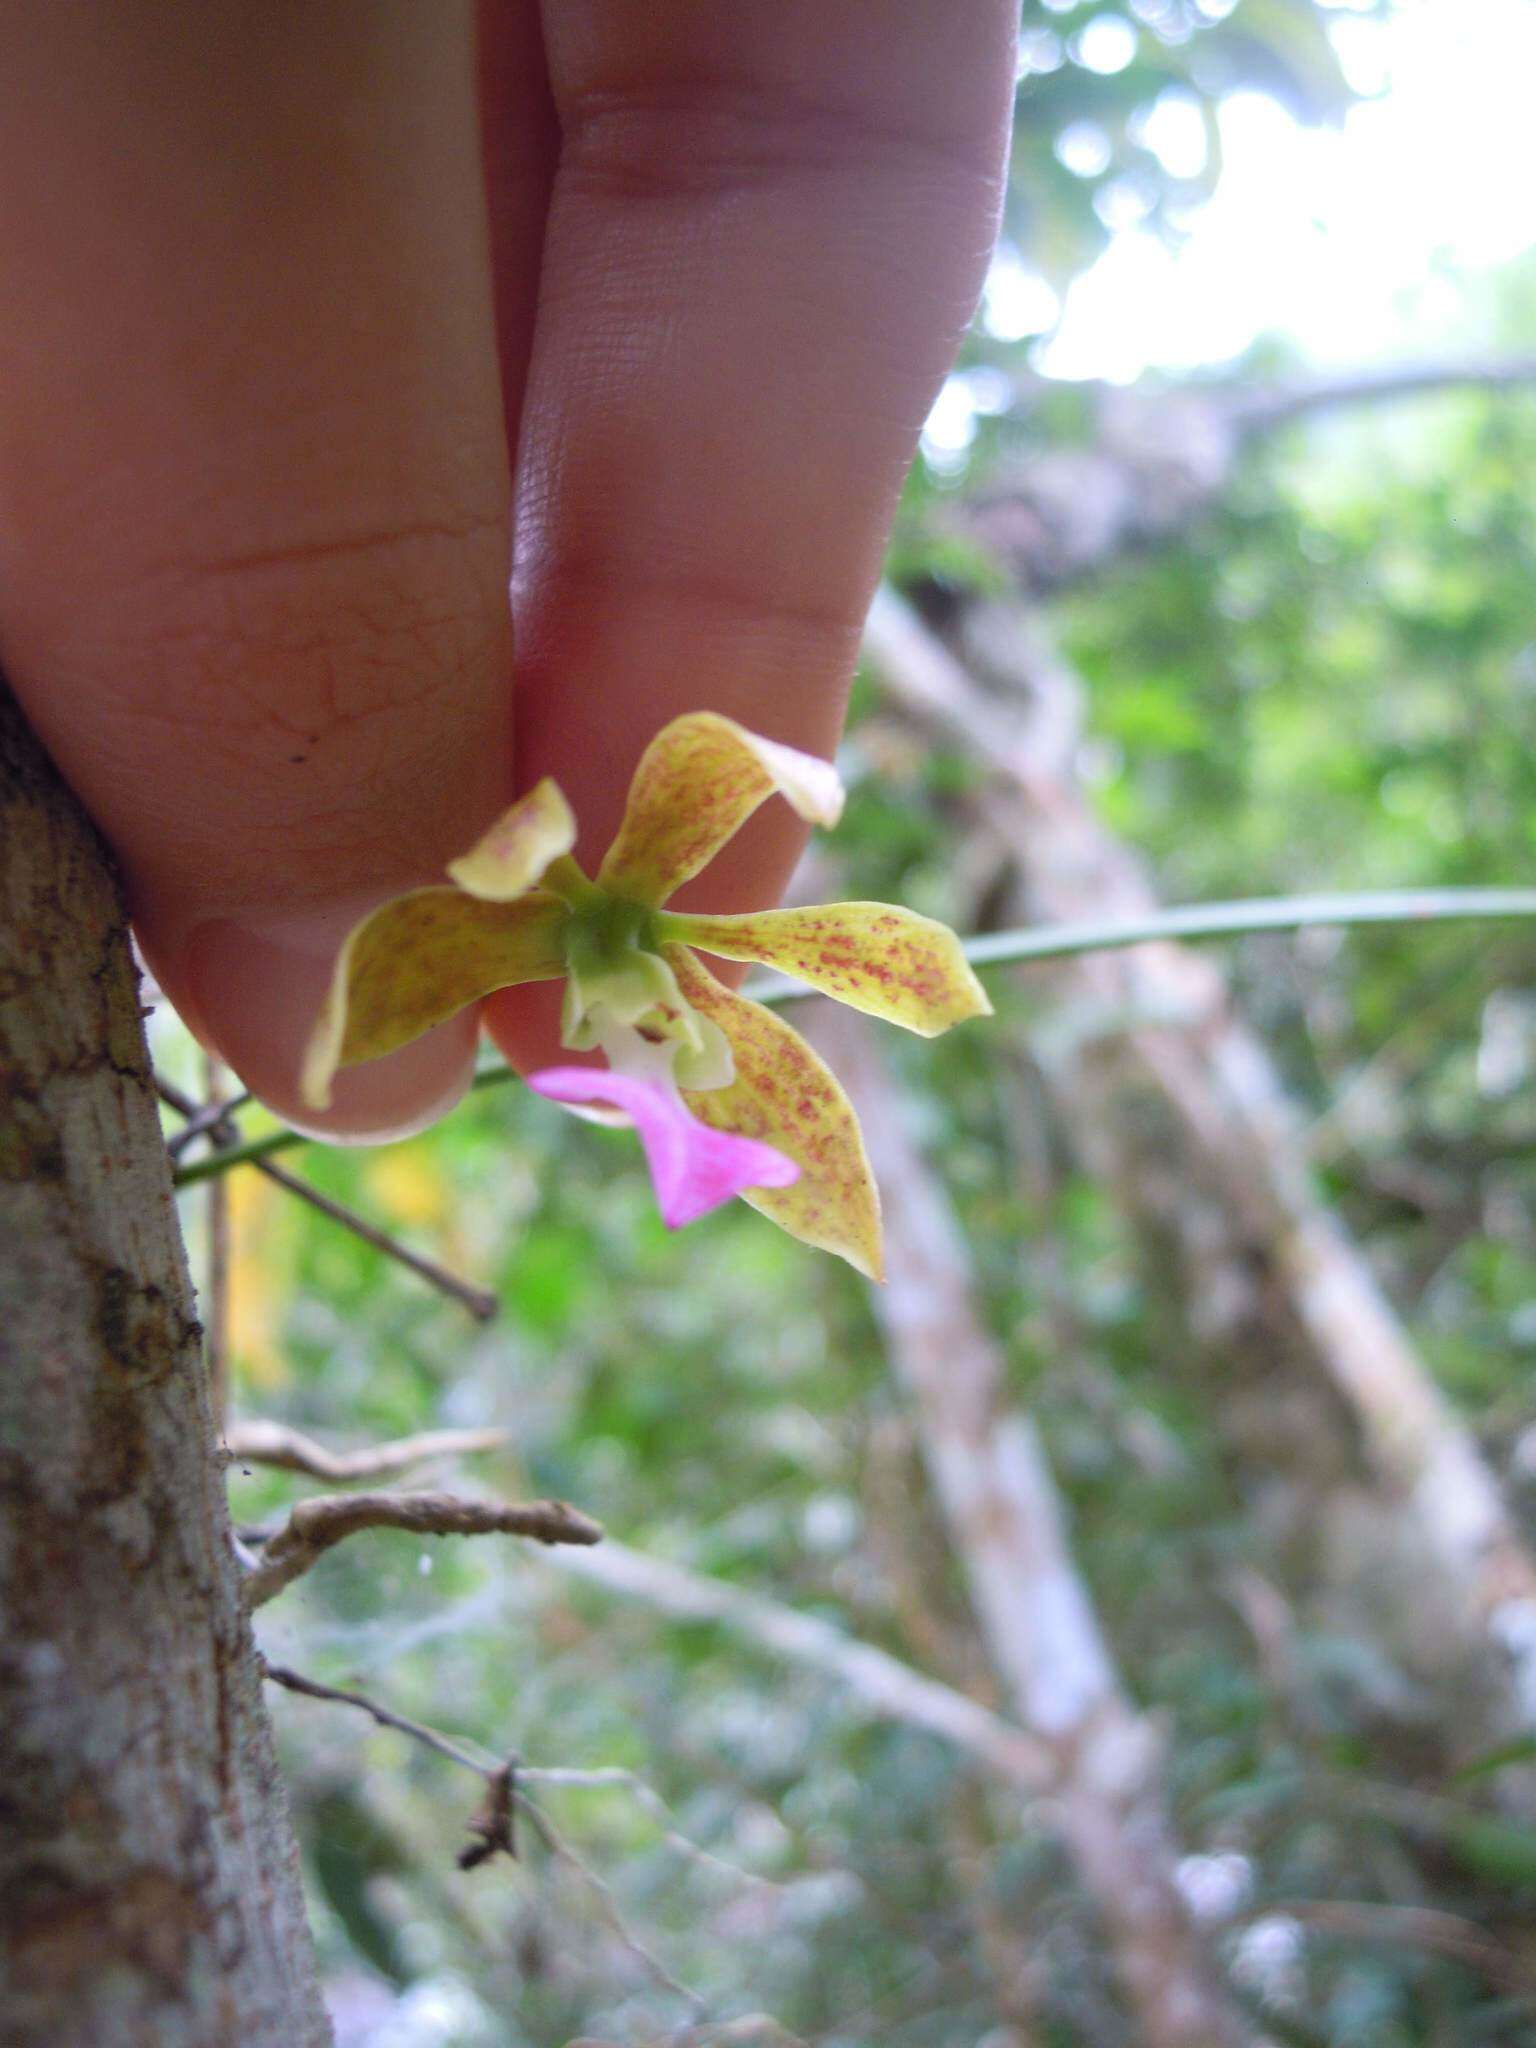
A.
x: 315, y: 1526
x: 1007, y: 1528
x: 1423, y: 1927
x: 216, y: 1122
x: 492, y: 1825
x: 418, y: 1731
x: 1179, y: 1110
x: 1265, y: 407
x: 1162, y: 458
x: 882, y: 1684
x: 260, y: 1442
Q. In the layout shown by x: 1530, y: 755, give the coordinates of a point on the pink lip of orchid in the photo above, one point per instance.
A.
x: 693, y: 1168
x: 727, y: 1098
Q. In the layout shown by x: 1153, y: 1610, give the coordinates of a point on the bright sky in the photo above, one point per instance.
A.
x: 1348, y: 240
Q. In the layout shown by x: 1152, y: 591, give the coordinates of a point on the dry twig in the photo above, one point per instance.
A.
x: 500, y: 1780
x: 608, y: 1905
x: 650, y: 1801
x: 493, y: 1822
x: 212, y: 1116
x: 879, y: 1682
x: 213, y: 1120
x: 1446, y: 1934
x: 479, y: 1301
x: 215, y: 1305
x: 315, y: 1525
x: 430, y: 1738
x: 261, y: 1442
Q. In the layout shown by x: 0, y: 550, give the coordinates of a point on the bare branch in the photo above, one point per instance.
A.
x: 212, y: 1116
x: 1258, y: 406
x: 493, y: 1823
x: 430, y: 1738
x: 494, y: 1819
x: 213, y: 1120
x: 608, y: 1905
x: 1162, y: 458
x: 480, y: 1302
x: 261, y: 1442
x: 651, y: 1801
x: 1228, y: 1116
x: 215, y: 1302
x: 880, y: 1682
x: 1424, y: 1927
x: 1271, y: 406
x: 1006, y: 1523
x: 314, y: 1526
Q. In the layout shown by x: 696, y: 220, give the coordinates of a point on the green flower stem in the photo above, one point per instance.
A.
x: 1058, y: 942
x: 565, y: 878
x: 238, y: 1155
x: 1250, y: 915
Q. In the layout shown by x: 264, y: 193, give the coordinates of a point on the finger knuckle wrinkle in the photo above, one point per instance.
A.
x: 392, y: 551
x: 323, y: 635
x: 714, y: 140
x: 702, y: 594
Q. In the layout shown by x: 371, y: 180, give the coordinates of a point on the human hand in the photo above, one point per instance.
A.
x: 264, y: 351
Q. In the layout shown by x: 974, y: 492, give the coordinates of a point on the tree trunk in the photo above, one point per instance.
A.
x: 1177, y: 1106
x: 148, y: 1883
x: 1036, y: 1619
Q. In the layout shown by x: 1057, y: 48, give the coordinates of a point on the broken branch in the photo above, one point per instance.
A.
x: 492, y: 1825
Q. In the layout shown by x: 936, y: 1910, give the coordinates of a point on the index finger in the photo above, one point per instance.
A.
x: 767, y: 231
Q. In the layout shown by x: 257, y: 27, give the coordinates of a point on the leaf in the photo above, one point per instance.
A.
x: 1496, y: 1849
x: 1520, y: 1751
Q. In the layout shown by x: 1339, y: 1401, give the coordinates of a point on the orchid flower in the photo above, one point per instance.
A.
x: 726, y: 1098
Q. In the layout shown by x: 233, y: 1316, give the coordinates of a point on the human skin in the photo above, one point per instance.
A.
x: 318, y: 316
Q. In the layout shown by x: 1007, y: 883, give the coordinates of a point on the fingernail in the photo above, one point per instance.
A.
x: 259, y: 986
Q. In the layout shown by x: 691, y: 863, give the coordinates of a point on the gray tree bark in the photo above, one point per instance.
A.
x: 149, y: 1889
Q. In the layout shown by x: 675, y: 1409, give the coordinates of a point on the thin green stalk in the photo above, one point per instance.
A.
x: 237, y: 1155
x: 1254, y: 914
x: 1237, y: 919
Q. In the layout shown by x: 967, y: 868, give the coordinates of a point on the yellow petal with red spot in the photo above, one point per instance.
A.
x: 420, y: 959
x: 876, y: 957
x: 698, y: 782
x: 785, y: 1096
x: 511, y: 856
